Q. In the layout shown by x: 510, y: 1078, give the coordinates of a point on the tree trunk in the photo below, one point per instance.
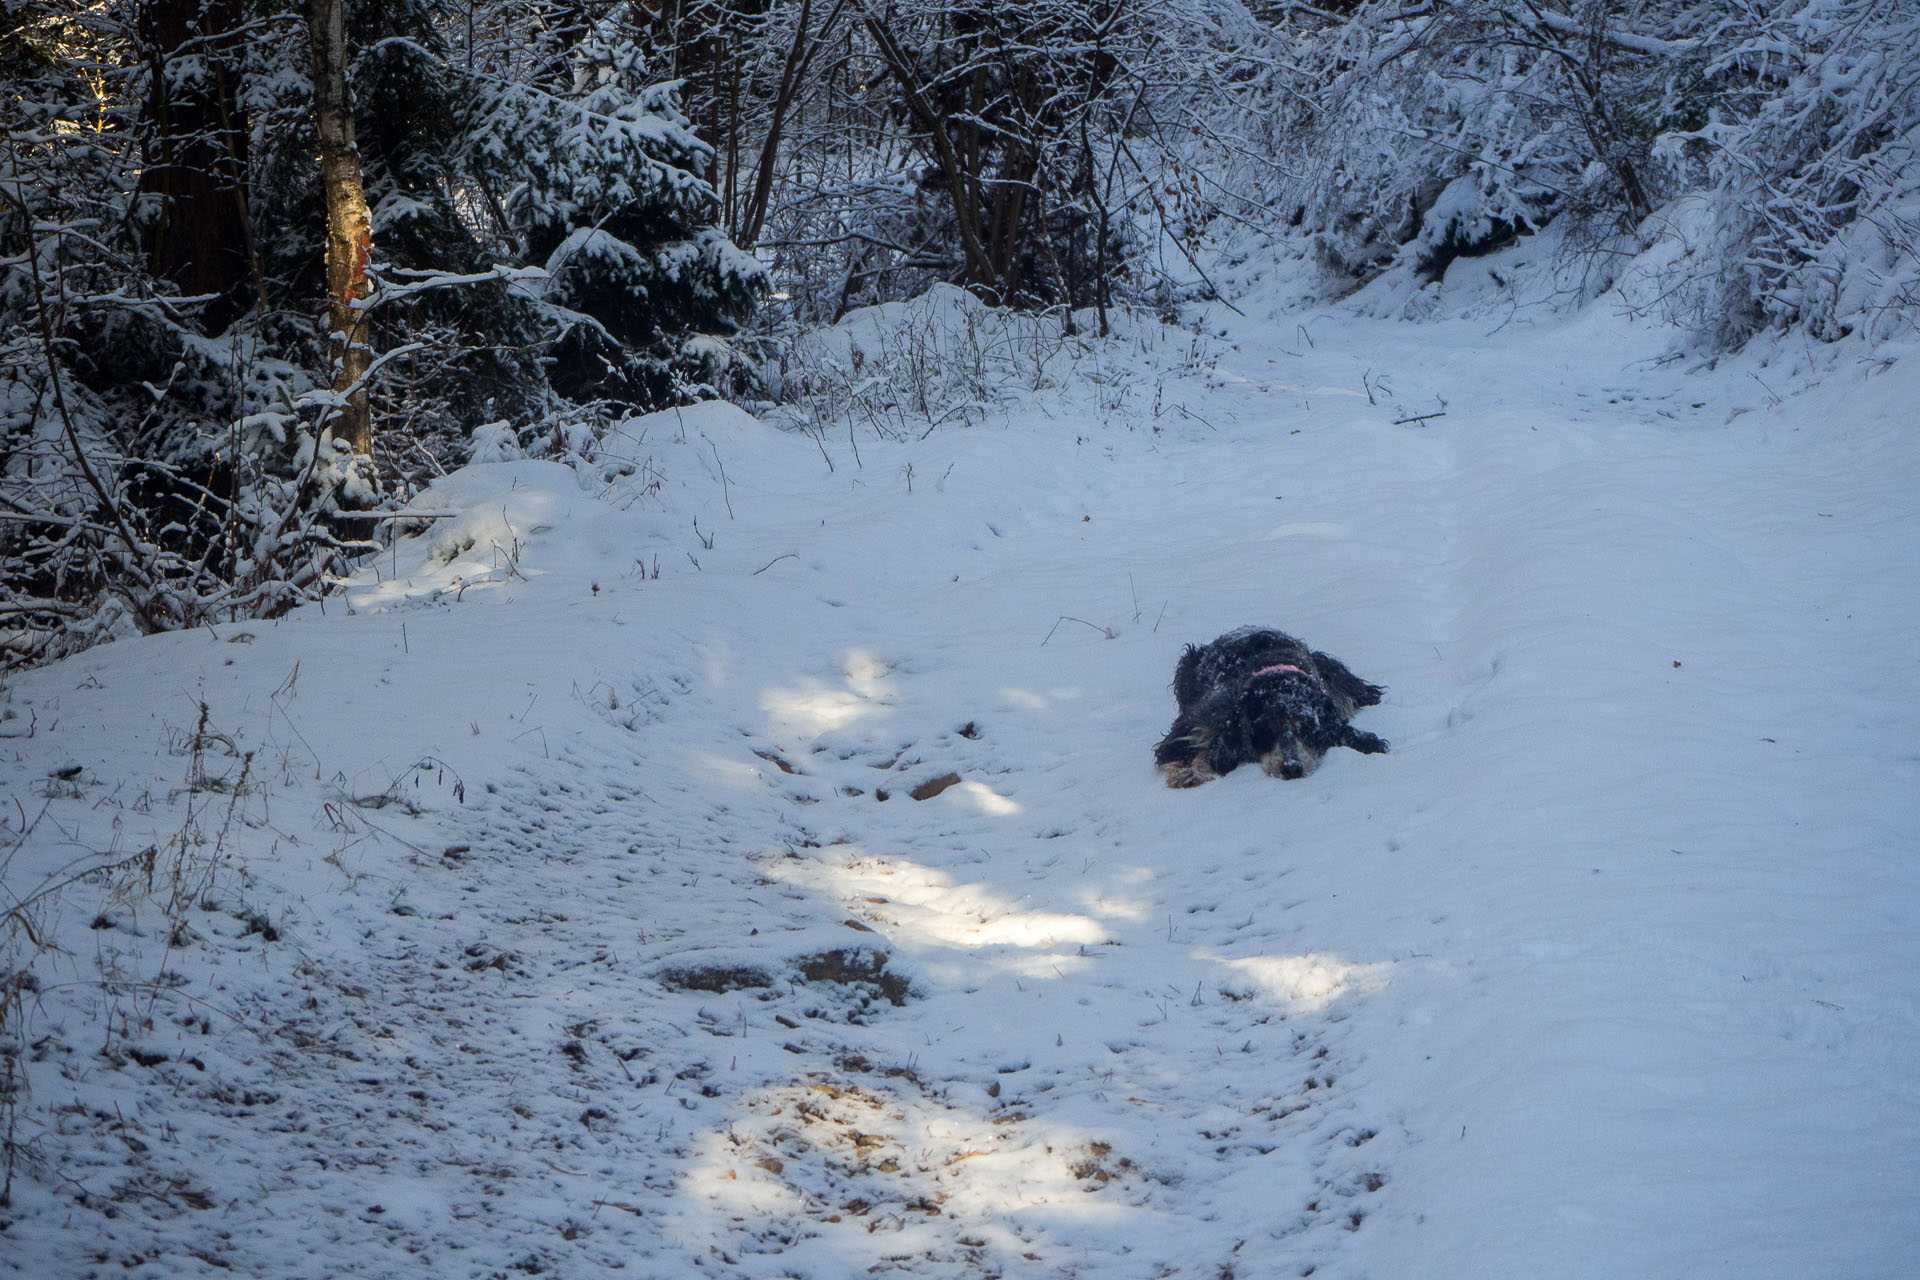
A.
x: 963, y: 180
x: 196, y: 156
x: 349, y: 225
x: 799, y: 55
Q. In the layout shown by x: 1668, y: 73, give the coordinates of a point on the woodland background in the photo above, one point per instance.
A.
x: 581, y: 209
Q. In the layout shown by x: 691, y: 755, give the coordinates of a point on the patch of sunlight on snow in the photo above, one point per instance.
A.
x: 1308, y: 982
x: 987, y: 800
x: 1027, y: 700
x: 984, y: 1175
x: 863, y: 668
x: 1026, y: 929
x: 723, y: 1174
x: 914, y: 904
x: 815, y: 709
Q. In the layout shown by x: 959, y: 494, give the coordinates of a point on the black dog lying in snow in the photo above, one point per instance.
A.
x: 1255, y: 694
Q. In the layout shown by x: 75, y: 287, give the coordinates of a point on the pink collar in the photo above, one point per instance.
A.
x: 1279, y: 669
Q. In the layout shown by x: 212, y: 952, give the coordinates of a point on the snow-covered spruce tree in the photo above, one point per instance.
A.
x: 597, y: 180
x: 488, y: 136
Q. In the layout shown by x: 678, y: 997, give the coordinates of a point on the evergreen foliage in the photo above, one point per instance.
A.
x: 596, y: 180
x: 537, y: 246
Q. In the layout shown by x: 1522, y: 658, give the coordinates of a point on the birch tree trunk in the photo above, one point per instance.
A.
x: 349, y: 225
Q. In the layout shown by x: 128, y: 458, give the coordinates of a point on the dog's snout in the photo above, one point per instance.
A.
x: 1292, y: 771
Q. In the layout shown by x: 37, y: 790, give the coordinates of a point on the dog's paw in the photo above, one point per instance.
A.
x: 1186, y: 773
x: 1370, y: 744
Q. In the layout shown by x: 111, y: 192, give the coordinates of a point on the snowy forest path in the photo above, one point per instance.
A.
x: 731, y: 866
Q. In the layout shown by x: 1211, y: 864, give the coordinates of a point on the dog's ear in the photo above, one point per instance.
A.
x: 1231, y: 746
x: 1345, y: 684
x: 1186, y: 678
x: 1183, y: 742
x: 1320, y: 724
x: 1263, y: 731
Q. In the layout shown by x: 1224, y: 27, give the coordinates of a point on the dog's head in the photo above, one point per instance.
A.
x: 1290, y: 721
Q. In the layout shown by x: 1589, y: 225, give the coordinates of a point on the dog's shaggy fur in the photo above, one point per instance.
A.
x: 1255, y: 694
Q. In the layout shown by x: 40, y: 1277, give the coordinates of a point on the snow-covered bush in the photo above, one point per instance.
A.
x: 1814, y: 174
x: 1426, y: 132
x: 901, y: 369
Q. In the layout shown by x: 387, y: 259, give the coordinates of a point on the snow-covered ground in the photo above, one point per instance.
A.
x: 561, y: 899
